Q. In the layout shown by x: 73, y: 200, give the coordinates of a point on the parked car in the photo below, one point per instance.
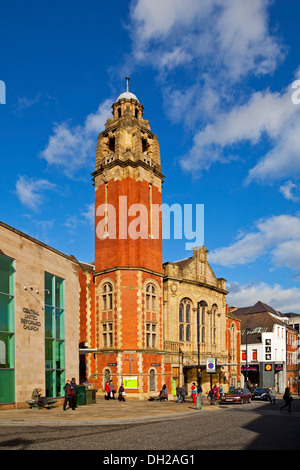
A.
x: 238, y: 395
x: 261, y: 393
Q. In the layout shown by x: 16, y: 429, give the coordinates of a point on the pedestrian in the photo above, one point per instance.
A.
x: 178, y: 393
x: 183, y: 393
x: 163, y: 393
x: 74, y: 385
x: 288, y: 399
x: 122, y: 393
x: 272, y: 395
x: 194, y: 393
x: 221, y: 391
x: 112, y: 390
x: 69, y: 396
x: 107, y: 391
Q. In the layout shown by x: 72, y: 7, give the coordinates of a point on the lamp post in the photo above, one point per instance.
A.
x: 199, y: 389
x: 246, y: 331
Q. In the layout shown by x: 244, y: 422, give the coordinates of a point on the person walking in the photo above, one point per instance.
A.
x: 74, y: 386
x: 122, y: 393
x: 112, y: 390
x: 183, y: 394
x: 107, y: 391
x: 178, y: 393
x: 288, y: 399
x: 69, y: 396
x: 272, y: 395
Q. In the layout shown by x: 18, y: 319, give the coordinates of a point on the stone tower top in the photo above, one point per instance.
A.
x: 127, y: 141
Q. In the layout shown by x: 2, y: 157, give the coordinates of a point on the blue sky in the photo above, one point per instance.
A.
x: 215, y: 78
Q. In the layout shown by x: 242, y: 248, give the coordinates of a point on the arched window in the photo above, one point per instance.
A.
x: 185, y: 320
x: 213, y: 324
x: 203, y: 311
x: 150, y: 298
x: 152, y: 385
x: 151, y: 323
x: 233, y: 342
x: 106, y: 377
x: 107, y: 297
x: 107, y: 322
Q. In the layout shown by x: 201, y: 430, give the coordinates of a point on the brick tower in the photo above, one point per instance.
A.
x: 128, y: 276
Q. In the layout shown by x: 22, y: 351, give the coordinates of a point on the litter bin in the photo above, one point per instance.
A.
x: 80, y: 395
x: 91, y: 396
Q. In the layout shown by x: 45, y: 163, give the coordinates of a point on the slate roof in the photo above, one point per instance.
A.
x: 257, y: 319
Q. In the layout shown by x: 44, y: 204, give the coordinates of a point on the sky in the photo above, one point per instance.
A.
x: 220, y: 84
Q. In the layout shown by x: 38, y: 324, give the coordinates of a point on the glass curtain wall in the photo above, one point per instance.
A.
x: 7, y: 336
x: 54, y: 335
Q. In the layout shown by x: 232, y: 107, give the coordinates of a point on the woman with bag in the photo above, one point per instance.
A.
x: 122, y: 393
x: 107, y: 391
x: 69, y: 396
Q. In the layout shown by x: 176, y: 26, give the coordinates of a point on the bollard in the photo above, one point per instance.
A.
x: 198, y: 401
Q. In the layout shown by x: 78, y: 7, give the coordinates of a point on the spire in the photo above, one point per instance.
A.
x: 127, y: 94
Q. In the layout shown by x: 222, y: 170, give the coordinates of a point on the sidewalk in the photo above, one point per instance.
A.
x: 101, y: 413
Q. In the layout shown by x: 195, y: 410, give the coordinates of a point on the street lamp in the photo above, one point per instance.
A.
x: 199, y: 389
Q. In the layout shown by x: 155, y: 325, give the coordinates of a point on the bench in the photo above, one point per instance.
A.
x: 39, y: 406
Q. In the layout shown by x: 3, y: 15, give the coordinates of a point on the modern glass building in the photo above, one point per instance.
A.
x: 39, y: 318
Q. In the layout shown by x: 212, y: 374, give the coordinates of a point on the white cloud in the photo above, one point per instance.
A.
x: 277, y: 236
x: 234, y: 32
x: 30, y: 191
x: 265, y: 114
x: 287, y: 190
x: 73, y: 147
x: 281, y: 299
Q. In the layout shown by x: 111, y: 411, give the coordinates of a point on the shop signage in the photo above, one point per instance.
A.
x: 278, y: 366
x: 268, y: 367
x: 30, y: 320
x: 253, y: 368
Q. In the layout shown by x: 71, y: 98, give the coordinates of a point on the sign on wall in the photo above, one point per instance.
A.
x: 130, y: 382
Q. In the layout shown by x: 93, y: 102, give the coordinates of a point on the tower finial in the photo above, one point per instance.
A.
x: 127, y: 86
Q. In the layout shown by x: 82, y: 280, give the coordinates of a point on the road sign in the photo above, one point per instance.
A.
x: 211, y: 365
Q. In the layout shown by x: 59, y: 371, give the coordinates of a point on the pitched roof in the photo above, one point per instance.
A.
x: 259, y: 307
x: 256, y: 320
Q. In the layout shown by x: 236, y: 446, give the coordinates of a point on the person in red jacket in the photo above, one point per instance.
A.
x: 107, y: 390
x: 194, y: 392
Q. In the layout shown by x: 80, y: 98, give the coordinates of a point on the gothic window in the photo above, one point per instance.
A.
x: 233, y: 342
x: 203, y: 312
x: 107, y: 297
x: 213, y: 324
x: 152, y: 380
x: 150, y: 298
x: 185, y: 320
x: 107, y: 306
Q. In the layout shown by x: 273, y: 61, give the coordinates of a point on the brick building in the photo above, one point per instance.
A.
x: 138, y: 321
